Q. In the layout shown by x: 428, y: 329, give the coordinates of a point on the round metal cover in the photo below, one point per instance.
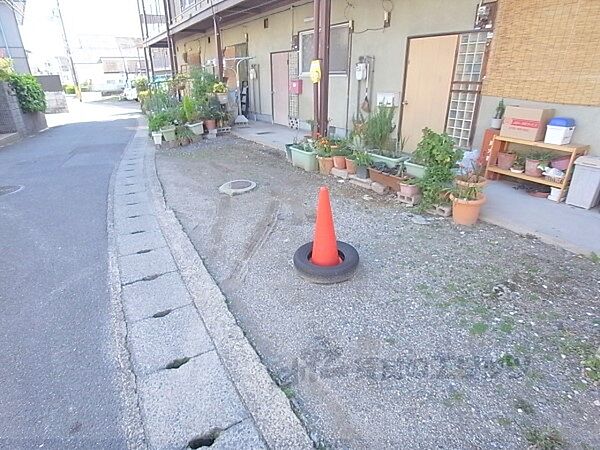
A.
x: 237, y: 187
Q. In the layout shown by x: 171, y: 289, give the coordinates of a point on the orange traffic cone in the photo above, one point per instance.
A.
x: 324, y: 250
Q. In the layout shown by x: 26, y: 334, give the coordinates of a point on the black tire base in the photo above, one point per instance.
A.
x: 326, y: 275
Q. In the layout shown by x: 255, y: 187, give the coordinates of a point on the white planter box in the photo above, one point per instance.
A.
x: 157, y: 137
x: 558, y: 135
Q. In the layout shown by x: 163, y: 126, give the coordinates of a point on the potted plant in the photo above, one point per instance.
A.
x: 376, y: 133
x: 323, y: 146
x: 220, y: 90
x: 506, y: 160
x: 163, y: 121
x: 534, y: 161
x: 363, y: 161
x: 351, y: 163
x: 472, y: 178
x: 466, y: 203
x: 190, y: 111
x: 497, y: 119
x: 339, y: 153
x: 155, y: 122
x: 409, y: 187
x: 519, y: 165
x: 437, y: 153
x: 382, y: 174
x: 209, y: 115
x: 184, y: 135
x: 304, y: 156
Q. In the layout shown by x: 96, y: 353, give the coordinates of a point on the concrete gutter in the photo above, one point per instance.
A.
x: 175, y: 312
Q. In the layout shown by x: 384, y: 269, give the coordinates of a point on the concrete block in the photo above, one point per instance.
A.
x: 409, y: 200
x: 179, y: 405
x: 146, y: 298
x: 379, y: 188
x: 441, y: 210
x: 340, y: 173
x: 156, y: 342
x: 364, y: 183
x: 134, y: 224
x: 139, y: 266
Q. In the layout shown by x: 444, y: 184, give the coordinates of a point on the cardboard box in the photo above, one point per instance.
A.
x: 528, y: 124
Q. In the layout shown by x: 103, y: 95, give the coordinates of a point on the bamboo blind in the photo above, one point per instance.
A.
x: 546, y: 50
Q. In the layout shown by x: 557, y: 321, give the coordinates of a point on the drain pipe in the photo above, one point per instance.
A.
x: 316, y: 36
x: 325, y: 38
x: 349, y: 70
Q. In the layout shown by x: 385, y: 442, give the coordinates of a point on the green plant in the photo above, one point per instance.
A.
x: 69, y: 89
x: 539, y: 156
x: 29, y: 92
x: 463, y: 192
x: 219, y: 88
x: 178, y: 83
x: 190, y: 109
x: 159, y: 120
x: 591, y: 368
x: 183, y: 134
x: 544, y: 439
x: 500, y: 110
x: 140, y: 84
x: 378, y: 128
x: 201, y: 85
x: 159, y: 100
x: 519, y: 161
x: 6, y: 68
x: 435, y: 151
x: 363, y: 159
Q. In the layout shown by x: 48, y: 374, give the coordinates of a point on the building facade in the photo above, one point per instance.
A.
x: 11, y: 45
x: 444, y: 65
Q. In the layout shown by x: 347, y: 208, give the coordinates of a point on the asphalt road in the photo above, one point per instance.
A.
x: 59, y: 380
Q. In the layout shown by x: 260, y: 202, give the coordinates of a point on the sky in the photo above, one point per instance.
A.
x: 42, y: 34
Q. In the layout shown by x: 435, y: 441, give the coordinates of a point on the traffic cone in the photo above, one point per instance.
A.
x: 324, y: 250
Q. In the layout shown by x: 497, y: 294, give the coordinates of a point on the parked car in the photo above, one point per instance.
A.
x: 129, y: 91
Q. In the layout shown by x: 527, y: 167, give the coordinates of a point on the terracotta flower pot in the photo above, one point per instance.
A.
x: 351, y: 166
x: 466, y: 212
x: 506, y: 160
x: 391, y: 181
x: 531, y: 167
x: 409, y: 190
x: 210, y: 124
x: 339, y: 162
x: 325, y: 164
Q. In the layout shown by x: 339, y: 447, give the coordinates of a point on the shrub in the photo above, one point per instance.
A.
x: 29, y: 92
x: 140, y: 85
x: 219, y: 88
x: 69, y: 89
x: 6, y: 68
x: 202, y: 83
x: 377, y: 130
x: 190, y: 109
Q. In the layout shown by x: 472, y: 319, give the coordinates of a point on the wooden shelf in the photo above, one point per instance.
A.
x: 522, y: 176
x: 568, y: 148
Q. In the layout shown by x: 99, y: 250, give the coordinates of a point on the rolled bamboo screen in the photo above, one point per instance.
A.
x: 546, y: 50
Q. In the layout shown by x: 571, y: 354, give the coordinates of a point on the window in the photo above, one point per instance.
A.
x: 185, y: 4
x: 338, y: 51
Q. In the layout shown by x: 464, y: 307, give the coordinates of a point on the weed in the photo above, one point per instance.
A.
x: 455, y: 398
x: 570, y: 345
x: 289, y: 392
x: 478, y: 328
x: 544, y: 439
x: 504, y: 421
x: 591, y: 368
x: 507, y: 326
x: 509, y: 360
x: 594, y: 258
x: 524, y: 406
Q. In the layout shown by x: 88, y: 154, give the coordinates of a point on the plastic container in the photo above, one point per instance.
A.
x: 584, y: 190
x: 561, y: 163
x: 559, y: 131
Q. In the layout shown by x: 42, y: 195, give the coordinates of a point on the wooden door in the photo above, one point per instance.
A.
x: 429, y: 71
x: 279, y: 83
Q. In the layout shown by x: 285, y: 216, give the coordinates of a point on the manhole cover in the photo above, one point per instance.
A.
x: 5, y: 190
x: 237, y: 187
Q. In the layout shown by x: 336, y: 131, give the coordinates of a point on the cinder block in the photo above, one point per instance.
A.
x: 362, y: 182
x: 441, y: 210
x: 379, y: 188
x: 410, y: 200
x: 340, y: 173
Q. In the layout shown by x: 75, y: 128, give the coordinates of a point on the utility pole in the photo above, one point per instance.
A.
x: 68, y: 50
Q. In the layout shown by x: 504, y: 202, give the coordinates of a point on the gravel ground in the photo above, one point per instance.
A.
x: 447, y: 337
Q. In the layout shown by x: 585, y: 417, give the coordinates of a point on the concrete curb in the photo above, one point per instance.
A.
x: 265, y: 402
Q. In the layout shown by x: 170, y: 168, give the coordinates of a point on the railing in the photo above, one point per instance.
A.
x: 195, y: 8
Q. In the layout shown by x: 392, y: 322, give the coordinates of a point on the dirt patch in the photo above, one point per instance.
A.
x: 446, y: 337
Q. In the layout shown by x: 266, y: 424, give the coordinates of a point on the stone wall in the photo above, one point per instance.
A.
x: 12, y: 119
x: 56, y: 102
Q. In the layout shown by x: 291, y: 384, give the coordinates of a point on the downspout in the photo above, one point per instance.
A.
x: 349, y: 71
x: 316, y: 35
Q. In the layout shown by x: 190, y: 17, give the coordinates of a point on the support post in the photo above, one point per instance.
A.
x: 325, y: 36
x: 218, y: 48
x: 172, y: 56
x: 316, y: 56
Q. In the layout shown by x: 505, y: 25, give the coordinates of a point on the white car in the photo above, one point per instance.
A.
x: 129, y: 92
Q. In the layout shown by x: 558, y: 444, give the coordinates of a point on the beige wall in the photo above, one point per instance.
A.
x: 387, y: 46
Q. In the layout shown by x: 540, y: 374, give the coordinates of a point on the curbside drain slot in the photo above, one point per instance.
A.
x: 160, y: 314
x: 177, y: 363
x: 206, y: 440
